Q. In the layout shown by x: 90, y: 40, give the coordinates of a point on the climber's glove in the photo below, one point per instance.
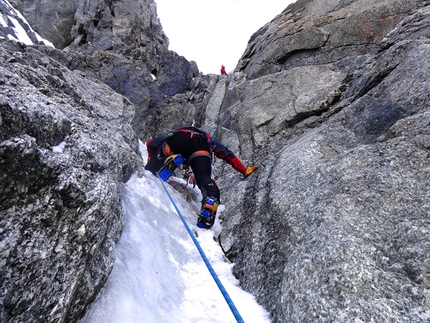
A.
x: 250, y: 170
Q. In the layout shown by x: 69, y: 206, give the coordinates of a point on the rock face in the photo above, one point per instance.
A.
x: 332, y: 101
x: 60, y: 208
x: 316, y: 32
x: 329, y: 98
x: 122, y: 44
x: 51, y: 20
x: 94, y: 25
x: 9, y: 17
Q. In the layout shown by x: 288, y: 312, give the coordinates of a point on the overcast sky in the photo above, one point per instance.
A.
x: 213, y: 33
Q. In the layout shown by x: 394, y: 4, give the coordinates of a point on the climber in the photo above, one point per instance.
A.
x: 223, y: 72
x: 195, y: 146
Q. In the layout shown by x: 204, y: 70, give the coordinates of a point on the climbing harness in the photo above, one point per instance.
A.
x: 188, y: 175
x: 206, y: 260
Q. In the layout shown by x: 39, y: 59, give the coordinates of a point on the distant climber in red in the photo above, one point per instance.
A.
x: 223, y: 72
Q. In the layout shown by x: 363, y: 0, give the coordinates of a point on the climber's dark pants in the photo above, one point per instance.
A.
x: 202, y: 169
x: 156, y: 162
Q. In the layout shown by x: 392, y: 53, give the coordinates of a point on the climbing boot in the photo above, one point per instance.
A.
x: 169, y: 166
x: 207, y: 214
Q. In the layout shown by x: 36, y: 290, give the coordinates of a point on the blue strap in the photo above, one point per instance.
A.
x: 206, y: 260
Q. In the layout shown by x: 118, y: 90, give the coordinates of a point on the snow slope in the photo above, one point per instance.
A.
x: 158, y: 275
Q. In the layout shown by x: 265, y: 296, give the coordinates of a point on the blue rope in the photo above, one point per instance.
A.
x: 206, y: 260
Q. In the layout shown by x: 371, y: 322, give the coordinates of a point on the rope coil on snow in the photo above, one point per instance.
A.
x: 206, y: 260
